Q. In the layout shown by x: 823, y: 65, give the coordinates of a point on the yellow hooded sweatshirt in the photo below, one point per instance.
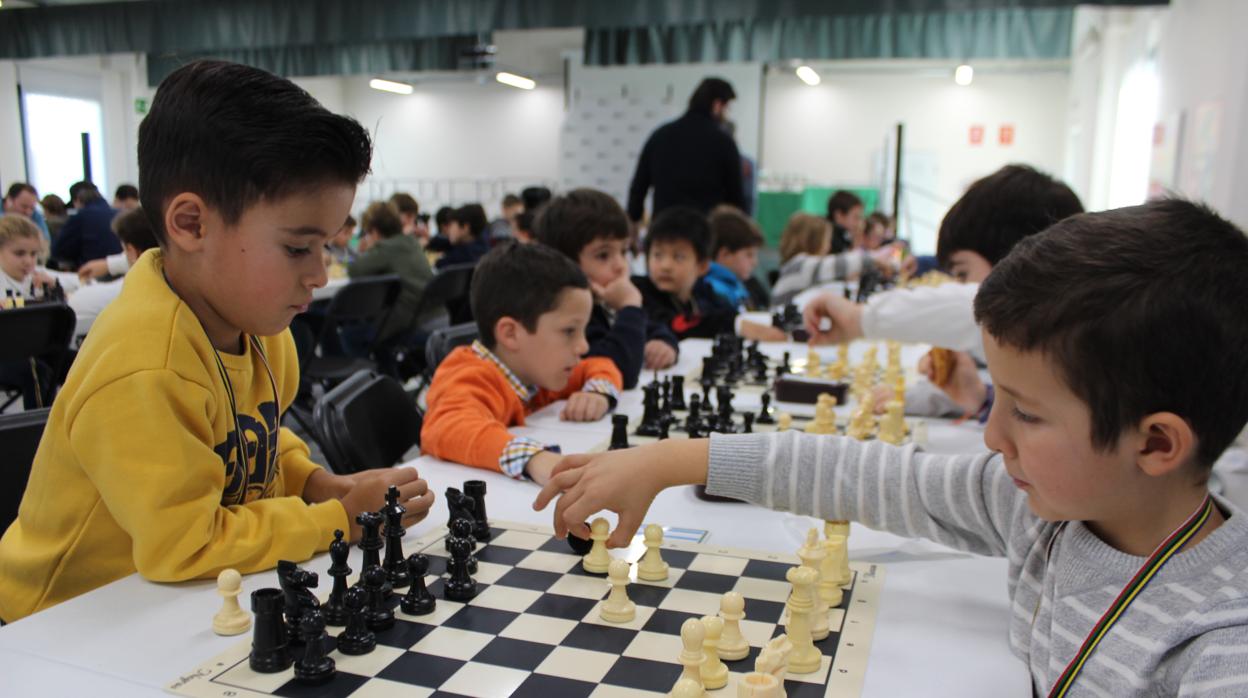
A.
x: 138, y: 468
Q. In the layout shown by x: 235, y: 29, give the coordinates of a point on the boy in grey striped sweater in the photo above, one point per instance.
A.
x: 1117, y: 344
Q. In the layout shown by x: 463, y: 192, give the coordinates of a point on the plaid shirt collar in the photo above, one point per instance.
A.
x: 524, y: 392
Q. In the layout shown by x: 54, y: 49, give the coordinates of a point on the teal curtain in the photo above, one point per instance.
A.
x: 1025, y: 33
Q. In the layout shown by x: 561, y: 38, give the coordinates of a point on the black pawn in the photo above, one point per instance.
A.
x: 270, y: 650
x: 334, y: 611
x: 460, y: 586
x: 764, y: 414
x: 379, y: 615
x: 395, y: 567
x: 315, y: 667
x: 417, y: 601
x: 475, y: 490
x: 619, y: 432
x: 678, y: 393
x: 747, y: 423
x: 357, y: 638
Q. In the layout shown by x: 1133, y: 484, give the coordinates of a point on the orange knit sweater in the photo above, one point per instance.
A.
x: 471, y: 404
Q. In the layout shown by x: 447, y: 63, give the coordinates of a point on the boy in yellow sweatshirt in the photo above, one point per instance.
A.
x: 164, y: 452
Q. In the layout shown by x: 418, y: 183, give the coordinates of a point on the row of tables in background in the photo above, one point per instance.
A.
x: 941, y: 628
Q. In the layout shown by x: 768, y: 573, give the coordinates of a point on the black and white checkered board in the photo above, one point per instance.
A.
x: 534, y: 629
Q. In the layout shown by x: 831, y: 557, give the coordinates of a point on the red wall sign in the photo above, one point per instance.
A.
x: 977, y: 134
x: 1006, y: 135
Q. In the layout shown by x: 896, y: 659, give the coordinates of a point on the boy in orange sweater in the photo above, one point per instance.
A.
x: 531, y: 306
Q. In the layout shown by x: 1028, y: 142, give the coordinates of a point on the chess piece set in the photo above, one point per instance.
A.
x: 709, y: 641
x: 290, y: 622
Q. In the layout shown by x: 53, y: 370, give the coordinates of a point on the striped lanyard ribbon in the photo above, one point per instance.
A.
x: 1164, y: 552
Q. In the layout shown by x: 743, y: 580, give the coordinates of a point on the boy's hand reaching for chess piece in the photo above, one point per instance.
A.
x: 659, y: 355
x: 960, y: 382
x: 366, y: 491
x: 843, y: 319
x: 624, y: 481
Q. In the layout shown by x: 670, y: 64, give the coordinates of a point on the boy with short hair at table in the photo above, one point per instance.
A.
x: 678, y: 250
x: 735, y: 241
x: 590, y: 228
x: 1117, y: 393
x: 164, y: 452
x: 531, y: 305
x: 465, y: 237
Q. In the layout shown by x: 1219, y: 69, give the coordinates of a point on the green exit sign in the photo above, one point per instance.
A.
x: 140, y: 106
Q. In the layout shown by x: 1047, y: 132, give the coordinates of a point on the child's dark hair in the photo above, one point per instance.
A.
x: 472, y: 216
x: 126, y: 191
x: 134, y: 229
x: 573, y: 220
x: 842, y: 202
x: 512, y: 200
x: 234, y: 135
x: 534, y: 198
x: 15, y: 190
x: 382, y: 217
x: 732, y: 230
x: 405, y: 203
x: 1141, y: 311
x: 522, y: 282
x: 681, y: 223
x: 998, y: 211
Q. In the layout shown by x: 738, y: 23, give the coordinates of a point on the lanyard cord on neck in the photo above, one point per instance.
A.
x: 1164, y: 552
x: 239, y: 440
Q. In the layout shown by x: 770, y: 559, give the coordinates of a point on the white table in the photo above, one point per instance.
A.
x: 330, y: 289
x: 941, y: 629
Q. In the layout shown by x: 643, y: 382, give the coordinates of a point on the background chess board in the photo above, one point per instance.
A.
x: 534, y: 630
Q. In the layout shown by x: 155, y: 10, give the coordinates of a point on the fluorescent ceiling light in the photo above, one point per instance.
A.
x: 808, y: 75
x: 399, y: 88
x: 964, y: 75
x: 515, y: 80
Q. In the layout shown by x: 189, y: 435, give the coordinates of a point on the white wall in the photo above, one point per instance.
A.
x: 115, y: 80
x: 1201, y: 61
x: 836, y: 133
x: 454, y: 141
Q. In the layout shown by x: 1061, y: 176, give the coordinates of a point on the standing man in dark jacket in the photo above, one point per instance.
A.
x: 88, y: 234
x: 691, y: 161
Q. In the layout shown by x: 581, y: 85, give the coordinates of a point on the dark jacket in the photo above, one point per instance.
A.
x: 87, y: 235
x: 706, y: 315
x: 464, y: 253
x: 690, y: 162
x: 624, y: 340
x: 400, y: 255
x: 760, y: 297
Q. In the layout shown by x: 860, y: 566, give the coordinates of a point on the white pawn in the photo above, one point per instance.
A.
x: 618, y: 608
x: 692, y: 635
x: 732, y: 644
x: 714, y: 672
x: 231, y: 619
x: 652, y: 568
x: 805, y: 657
x: 687, y: 688
x: 597, y: 560
x: 784, y: 421
x: 812, y: 555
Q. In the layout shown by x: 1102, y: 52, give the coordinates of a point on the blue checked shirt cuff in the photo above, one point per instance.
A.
x: 604, y: 388
x: 518, y: 452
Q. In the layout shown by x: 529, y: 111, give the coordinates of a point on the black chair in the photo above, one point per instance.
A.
x: 19, y: 440
x: 39, y: 333
x: 369, y: 422
x: 456, y: 280
x: 440, y: 343
x: 360, y: 306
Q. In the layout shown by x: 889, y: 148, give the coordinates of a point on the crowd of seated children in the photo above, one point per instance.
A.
x: 385, y: 249
x: 980, y: 229
x: 505, y: 225
x: 134, y: 230
x: 807, y: 259
x: 339, y: 250
x: 845, y: 214
x: 1094, y: 481
x: 164, y: 452
x: 735, y: 241
x: 409, y: 215
x: 465, y: 240
x: 126, y: 197
x: 590, y: 228
x: 678, y: 249
x: 88, y: 234
x: 531, y: 305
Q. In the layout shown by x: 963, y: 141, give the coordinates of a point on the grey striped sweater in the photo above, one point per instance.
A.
x: 1186, y: 635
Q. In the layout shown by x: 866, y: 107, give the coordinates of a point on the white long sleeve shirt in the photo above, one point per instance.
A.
x: 943, y: 316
